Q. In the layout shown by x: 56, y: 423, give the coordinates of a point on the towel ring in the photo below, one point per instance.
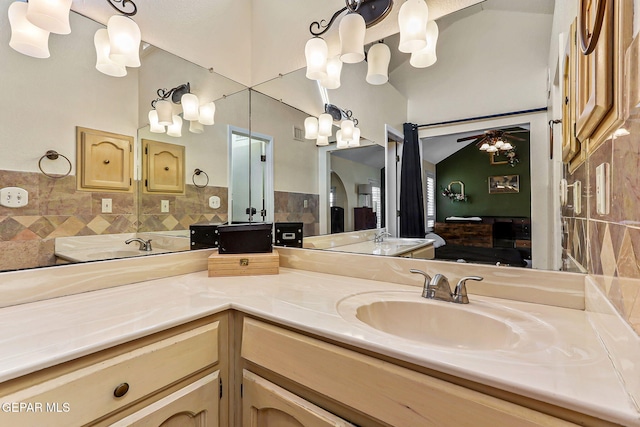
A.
x: 588, y: 37
x: 54, y: 155
x: 198, y: 172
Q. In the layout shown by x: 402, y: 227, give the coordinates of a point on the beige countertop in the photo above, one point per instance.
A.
x: 572, y: 369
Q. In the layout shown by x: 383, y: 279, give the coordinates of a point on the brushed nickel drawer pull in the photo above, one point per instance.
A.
x: 121, y: 390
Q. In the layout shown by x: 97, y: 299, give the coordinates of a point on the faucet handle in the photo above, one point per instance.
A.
x: 148, y: 245
x: 427, y: 281
x: 460, y: 292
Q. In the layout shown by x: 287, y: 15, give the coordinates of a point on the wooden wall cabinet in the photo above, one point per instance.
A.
x: 572, y: 152
x: 104, y: 161
x: 163, y: 167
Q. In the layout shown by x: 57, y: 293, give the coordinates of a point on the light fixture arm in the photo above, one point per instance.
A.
x: 121, y: 5
x: 339, y: 114
x: 175, y: 94
x: 373, y: 11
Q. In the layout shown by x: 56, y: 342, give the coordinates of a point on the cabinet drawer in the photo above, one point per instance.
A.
x: 86, y: 394
x: 392, y: 394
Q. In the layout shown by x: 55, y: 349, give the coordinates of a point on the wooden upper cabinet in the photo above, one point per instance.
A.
x: 572, y: 152
x: 163, y: 167
x: 105, y: 161
x: 600, y: 74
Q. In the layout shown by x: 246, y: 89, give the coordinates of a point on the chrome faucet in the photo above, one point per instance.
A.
x: 379, y: 238
x: 145, y: 245
x: 438, y: 288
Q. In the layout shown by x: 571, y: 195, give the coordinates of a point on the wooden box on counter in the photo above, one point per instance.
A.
x: 221, y: 265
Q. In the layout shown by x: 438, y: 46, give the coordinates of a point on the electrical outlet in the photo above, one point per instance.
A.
x: 107, y: 206
x: 14, y: 197
x: 305, y: 203
x: 164, y: 206
x: 214, y: 202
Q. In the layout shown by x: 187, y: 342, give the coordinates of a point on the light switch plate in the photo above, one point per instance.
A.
x: 164, y: 206
x: 14, y: 197
x: 577, y: 197
x: 214, y: 202
x: 603, y: 189
x: 107, y: 206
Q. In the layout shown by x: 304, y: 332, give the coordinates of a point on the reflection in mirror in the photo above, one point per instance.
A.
x: 67, y: 92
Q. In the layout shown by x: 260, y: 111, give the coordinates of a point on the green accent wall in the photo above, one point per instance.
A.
x: 473, y: 168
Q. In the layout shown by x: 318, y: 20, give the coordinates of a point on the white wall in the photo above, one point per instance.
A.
x: 489, y: 62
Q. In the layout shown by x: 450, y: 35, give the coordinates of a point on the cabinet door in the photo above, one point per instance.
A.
x: 163, y: 167
x: 105, y: 160
x: 267, y: 405
x: 196, y: 405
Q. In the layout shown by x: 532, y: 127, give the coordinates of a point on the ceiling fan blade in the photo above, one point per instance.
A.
x: 480, y: 141
x: 517, y: 138
x: 468, y: 138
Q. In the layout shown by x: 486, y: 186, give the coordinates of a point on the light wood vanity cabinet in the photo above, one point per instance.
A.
x: 425, y: 252
x: 168, y: 379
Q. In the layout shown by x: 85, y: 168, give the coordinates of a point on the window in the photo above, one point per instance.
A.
x: 376, y: 202
x: 430, y: 189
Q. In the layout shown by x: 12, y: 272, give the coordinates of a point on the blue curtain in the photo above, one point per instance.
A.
x: 411, y: 196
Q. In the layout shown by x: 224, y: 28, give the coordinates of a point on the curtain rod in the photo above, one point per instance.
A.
x: 492, y: 116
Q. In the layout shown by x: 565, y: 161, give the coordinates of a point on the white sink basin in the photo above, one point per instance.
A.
x: 478, y: 326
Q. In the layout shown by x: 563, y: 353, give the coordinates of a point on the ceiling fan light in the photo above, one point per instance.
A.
x: 334, y: 70
x: 492, y: 149
x: 103, y: 63
x: 154, y: 126
x: 316, y: 52
x: 190, y: 107
x: 325, y: 125
x: 311, y: 128
x: 26, y: 38
x: 175, y: 128
x: 378, y: 64
x: 165, y: 112
x: 352, y: 30
x: 484, y: 147
x: 506, y: 146
x: 412, y: 20
x: 207, y: 113
x: 499, y: 144
x: 355, y: 142
x: 124, y: 37
x: 322, y: 141
x: 50, y: 15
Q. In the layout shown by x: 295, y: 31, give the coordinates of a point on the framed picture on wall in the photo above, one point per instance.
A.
x: 503, y: 184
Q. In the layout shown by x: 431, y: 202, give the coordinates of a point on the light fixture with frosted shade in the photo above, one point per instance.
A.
x: 50, y: 15
x: 103, y: 63
x: 378, y: 64
x: 484, y: 147
x: 347, y: 127
x: 325, y: 124
x: 207, y: 113
x: 412, y: 20
x: 316, y: 52
x: 311, y: 128
x: 355, y: 142
x: 175, y: 128
x: 498, y: 143
x: 506, y: 147
x: 190, y: 107
x: 195, y: 126
x: 492, y: 149
x: 26, y: 38
x: 125, y: 37
x: 341, y: 143
x: 165, y: 112
x: 334, y: 69
x: 154, y: 126
x: 322, y: 141
x: 352, y: 31
x: 427, y: 57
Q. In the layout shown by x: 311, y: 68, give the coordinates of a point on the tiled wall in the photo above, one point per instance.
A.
x: 607, y: 246
x: 57, y: 209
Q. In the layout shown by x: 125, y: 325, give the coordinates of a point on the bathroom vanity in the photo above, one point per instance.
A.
x: 265, y: 350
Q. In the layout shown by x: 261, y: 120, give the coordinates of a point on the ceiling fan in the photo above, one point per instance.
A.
x: 496, y: 140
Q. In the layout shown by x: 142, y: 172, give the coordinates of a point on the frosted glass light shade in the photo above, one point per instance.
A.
x: 154, y: 126
x: 427, y: 57
x: 355, y: 142
x: 124, y: 36
x: 334, y: 69
x: 26, y: 38
x: 412, y: 20
x: 165, y: 113
x: 175, y: 128
x: 190, y: 107
x: 311, y: 128
x: 506, y: 146
x: 316, y: 52
x: 50, y: 15
x: 341, y: 143
x: 492, y: 149
x: 207, y: 114
x: 103, y: 63
x: 499, y: 143
x: 484, y: 147
x: 352, y: 29
x: 325, y: 125
x: 196, y: 127
x: 378, y: 60
x: 347, y: 128
x: 322, y: 141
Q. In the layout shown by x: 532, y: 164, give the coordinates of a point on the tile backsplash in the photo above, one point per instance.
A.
x: 57, y: 209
